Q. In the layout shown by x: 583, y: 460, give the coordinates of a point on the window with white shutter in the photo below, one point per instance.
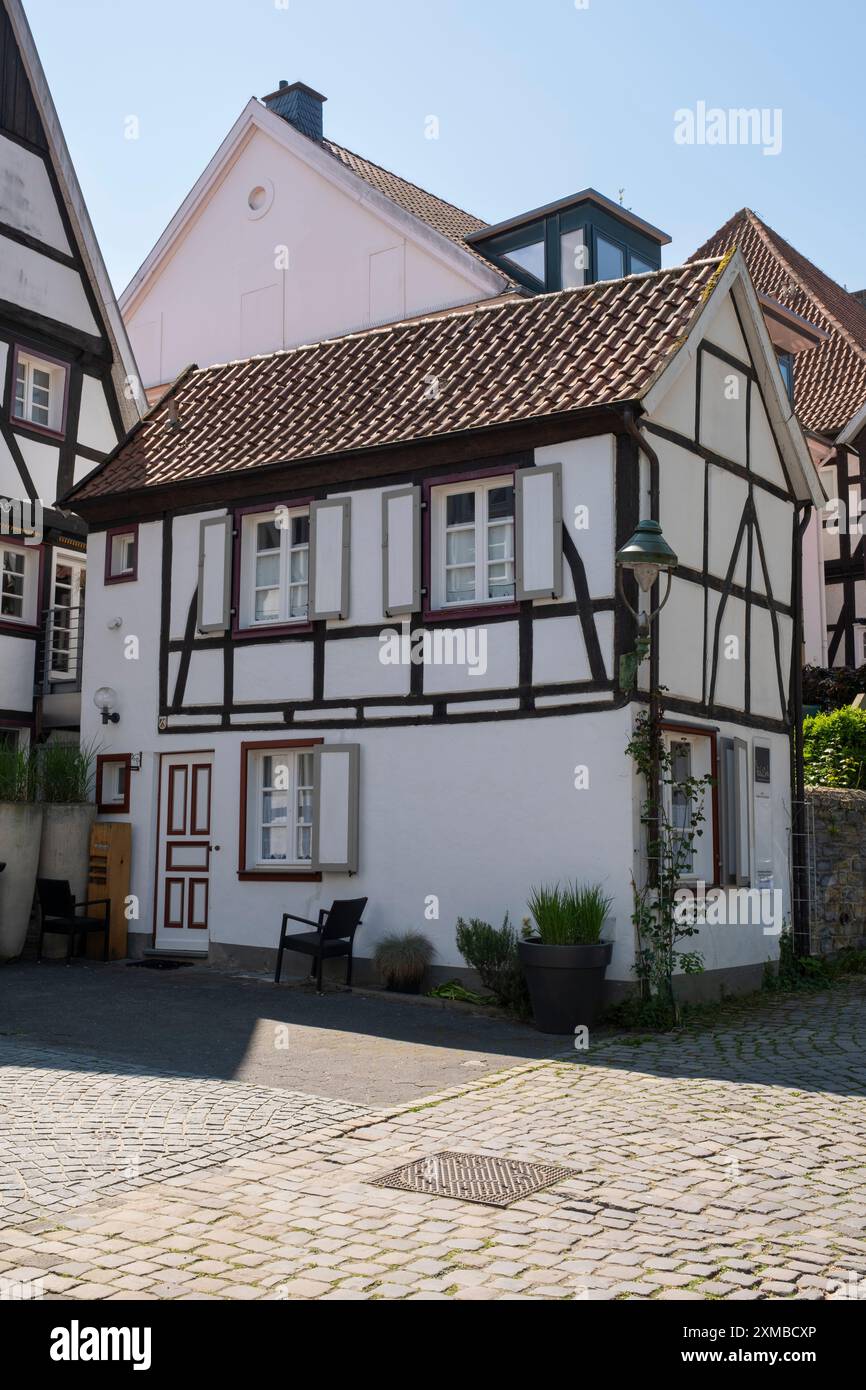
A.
x: 214, y: 574
x: 401, y: 551
x: 538, y: 518
x: 330, y: 536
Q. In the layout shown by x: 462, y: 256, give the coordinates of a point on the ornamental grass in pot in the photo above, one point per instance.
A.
x: 402, y: 960
x: 20, y: 831
x: 564, y: 959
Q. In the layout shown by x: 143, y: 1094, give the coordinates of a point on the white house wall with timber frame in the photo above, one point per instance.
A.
x: 469, y: 476
x: 67, y: 394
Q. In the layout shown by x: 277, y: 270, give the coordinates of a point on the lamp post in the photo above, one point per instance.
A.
x: 646, y: 555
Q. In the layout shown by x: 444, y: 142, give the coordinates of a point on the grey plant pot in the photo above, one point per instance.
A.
x: 566, y: 983
x: 20, y: 830
x: 65, y: 853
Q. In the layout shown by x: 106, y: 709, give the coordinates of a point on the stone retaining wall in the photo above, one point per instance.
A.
x: 840, y: 868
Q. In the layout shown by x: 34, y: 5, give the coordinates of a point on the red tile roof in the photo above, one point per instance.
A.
x: 830, y: 379
x: 467, y: 369
x: 443, y: 217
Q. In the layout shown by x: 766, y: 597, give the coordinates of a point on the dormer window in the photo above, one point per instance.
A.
x: 39, y: 397
x: 786, y: 367
x: 530, y: 258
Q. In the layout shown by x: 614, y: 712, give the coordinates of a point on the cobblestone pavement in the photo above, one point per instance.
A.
x: 727, y: 1164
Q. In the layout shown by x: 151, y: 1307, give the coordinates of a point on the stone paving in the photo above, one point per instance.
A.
x: 725, y: 1164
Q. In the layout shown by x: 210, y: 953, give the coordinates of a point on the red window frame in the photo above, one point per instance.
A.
x: 454, y: 612
x: 290, y: 875
x: 712, y: 733
x: 108, y: 808
x: 252, y: 634
x: 131, y: 530
x: 9, y: 624
x: 64, y: 409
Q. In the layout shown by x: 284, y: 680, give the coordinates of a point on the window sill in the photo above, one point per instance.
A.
x: 120, y: 579
x: 279, y: 876
x: 258, y: 634
x: 456, y: 612
x: 38, y: 429
x: 20, y: 626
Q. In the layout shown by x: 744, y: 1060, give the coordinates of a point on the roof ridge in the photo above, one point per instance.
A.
x: 458, y: 311
x: 772, y: 238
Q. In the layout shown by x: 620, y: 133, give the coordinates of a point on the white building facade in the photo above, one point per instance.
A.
x: 294, y: 517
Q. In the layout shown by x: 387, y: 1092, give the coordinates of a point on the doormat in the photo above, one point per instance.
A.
x: 495, y: 1182
x: 158, y: 964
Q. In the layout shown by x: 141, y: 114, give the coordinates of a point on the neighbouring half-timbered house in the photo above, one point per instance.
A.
x: 372, y: 643
x: 67, y: 394
x: 827, y: 381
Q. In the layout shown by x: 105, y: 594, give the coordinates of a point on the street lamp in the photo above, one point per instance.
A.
x: 646, y: 555
x: 105, y: 700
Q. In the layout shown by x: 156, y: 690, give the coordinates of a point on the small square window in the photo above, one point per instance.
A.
x: 113, y: 777
x: 121, y: 555
x: 40, y: 392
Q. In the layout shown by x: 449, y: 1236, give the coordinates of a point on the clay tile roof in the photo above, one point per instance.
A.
x: 830, y: 379
x: 464, y: 370
x: 443, y: 217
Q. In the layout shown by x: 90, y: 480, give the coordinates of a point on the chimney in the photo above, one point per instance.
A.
x: 300, y: 106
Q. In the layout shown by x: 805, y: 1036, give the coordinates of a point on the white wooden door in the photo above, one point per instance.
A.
x: 183, y: 877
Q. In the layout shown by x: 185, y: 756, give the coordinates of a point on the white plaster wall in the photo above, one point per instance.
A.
x: 27, y: 199
x: 17, y: 656
x: 193, y: 310
x: 33, y: 281
x: 588, y: 480
x: 95, y: 429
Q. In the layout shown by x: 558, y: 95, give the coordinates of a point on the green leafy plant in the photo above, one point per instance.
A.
x: 659, y: 922
x: 569, y: 915
x: 834, y: 749
x: 65, y: 772
x: 452, y: 989
x: 492, y: 953
x: 19, y: 773
x: 402, y: 959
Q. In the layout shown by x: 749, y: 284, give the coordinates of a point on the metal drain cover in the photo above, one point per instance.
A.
x: 497, y: 1182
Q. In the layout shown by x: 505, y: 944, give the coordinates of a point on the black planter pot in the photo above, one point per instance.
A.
x: 565, y: 983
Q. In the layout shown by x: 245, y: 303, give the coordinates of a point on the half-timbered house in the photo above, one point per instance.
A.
x: 67, y: 393
x: 372, y: 643
x: 820, y: 334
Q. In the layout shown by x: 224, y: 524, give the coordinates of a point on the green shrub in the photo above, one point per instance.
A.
x: 492, y: 953
x: 402, y: 959
x: 572, y: 915
x: 834, y: 749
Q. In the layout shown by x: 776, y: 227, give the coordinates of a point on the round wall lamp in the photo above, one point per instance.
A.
x: 105, y: 700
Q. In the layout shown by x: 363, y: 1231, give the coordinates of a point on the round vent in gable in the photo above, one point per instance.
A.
x: 259, y: 198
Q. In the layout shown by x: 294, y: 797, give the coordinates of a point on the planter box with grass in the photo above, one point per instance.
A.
x: 565, y: 960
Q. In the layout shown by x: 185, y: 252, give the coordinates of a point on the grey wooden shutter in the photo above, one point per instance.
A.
x: 401, y: 551
x: 214, y: 574
x: 335, y: 807
x: 330, y: 528
x: 538, y: 528
x: 741, y: 793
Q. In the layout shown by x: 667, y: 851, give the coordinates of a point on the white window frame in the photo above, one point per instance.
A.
x: 701, y: 765
x: 29, y: 597
x: 57, y: 376
x: 291, y: 759
x: 112, y: 792
x: 481, y: 488
x: 78, y: 564
x: 282, y: 518
x: 127, y: 539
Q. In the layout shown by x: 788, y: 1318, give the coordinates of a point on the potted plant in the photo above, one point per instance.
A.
x: 403, y: 960
x: 20, y: 827
x: 66, y: 789
x: 564, y: 959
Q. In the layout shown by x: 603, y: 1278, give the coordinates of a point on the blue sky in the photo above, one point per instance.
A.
x: 534, y: 101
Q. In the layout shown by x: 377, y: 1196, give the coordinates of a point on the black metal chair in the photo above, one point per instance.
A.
x: 57, y: 911
x: 334, y: 936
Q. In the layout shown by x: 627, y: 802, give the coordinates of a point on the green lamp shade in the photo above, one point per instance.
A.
x: 646, y: 554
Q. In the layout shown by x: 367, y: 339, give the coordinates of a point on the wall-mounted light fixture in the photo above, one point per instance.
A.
x: 105, y: 700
